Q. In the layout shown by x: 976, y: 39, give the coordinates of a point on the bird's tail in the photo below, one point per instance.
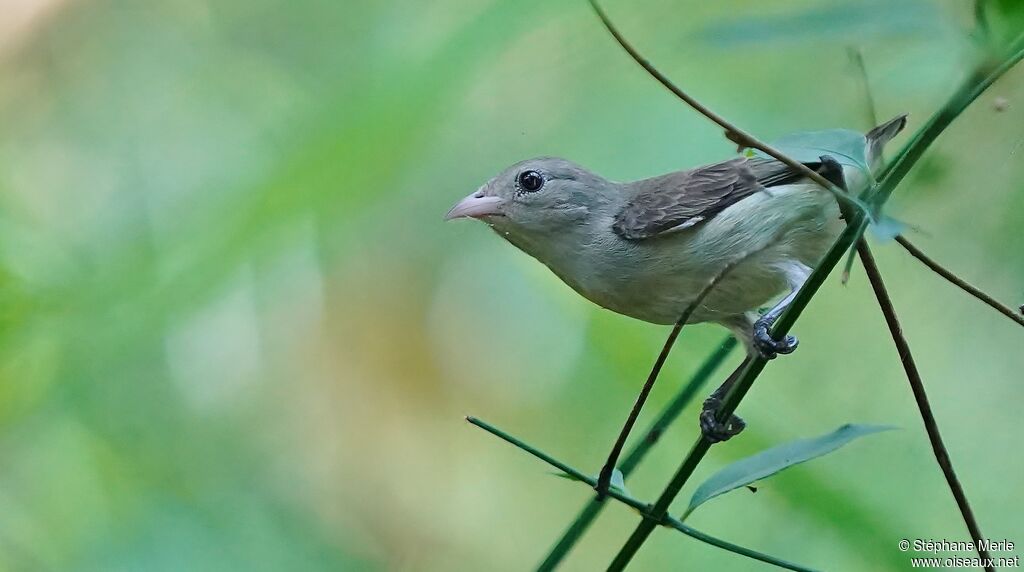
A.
x: 879, y: 136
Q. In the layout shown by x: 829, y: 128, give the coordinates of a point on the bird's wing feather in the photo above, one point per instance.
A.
x: 683, y: 199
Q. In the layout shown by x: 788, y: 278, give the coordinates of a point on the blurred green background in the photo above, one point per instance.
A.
x: 237, y: 335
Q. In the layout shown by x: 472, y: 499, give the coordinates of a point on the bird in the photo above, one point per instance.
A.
x: 647, y: 248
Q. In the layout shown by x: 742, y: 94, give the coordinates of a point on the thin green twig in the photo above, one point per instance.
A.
x: 638, y: 505
x: 640, y: 449
x: 857, y: 58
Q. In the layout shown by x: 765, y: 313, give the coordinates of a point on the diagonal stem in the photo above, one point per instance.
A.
x: 857, y: 58
x: 959, y: 282
x: 676, y: 406
x: 637, y: 505
x: 921, y: 397
x: 605, y: 478
x: 633, y: 458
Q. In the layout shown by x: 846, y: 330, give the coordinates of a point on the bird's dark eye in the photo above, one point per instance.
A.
x: 530, y: 181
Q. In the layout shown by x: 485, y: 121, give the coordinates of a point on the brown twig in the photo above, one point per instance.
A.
x: 732, y: 132
x: 917, y: 386
x: 605, y: 477
x: 959, y: 282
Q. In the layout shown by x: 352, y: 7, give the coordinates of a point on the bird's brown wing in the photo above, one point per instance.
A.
x: 683, y: 199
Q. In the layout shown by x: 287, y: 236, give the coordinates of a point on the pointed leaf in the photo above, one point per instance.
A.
x: 771, y: 461
x: 618, y: 481
x: 848, y: 147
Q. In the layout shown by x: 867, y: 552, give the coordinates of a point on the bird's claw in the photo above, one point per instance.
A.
x: 715, y: 430
x: 768, y: 346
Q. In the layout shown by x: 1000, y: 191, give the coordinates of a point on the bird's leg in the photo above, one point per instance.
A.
x: 796, y: 274
x: 755, y: 334
x: 713, y: 429
x: 767, y: 346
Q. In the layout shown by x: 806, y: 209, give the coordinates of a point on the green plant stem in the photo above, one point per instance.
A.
x: 676, y: 406
x: 959, y: 282
x: 857, y: 58
x: 891, y: 177
x: 633, y: 458
x: 921, y: 397
x: 638, y: 505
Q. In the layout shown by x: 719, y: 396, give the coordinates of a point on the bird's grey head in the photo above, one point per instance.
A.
x: 534, y: 202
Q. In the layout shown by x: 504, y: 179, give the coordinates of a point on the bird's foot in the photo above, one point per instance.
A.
x: 715, y: 430
x: 768, y: 346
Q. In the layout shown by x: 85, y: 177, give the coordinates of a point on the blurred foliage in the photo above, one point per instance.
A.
x: 235, y: 334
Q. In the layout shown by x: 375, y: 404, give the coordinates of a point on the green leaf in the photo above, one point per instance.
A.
x: 848, y: 147
x: 771, y: 461
x: 618, y: 481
